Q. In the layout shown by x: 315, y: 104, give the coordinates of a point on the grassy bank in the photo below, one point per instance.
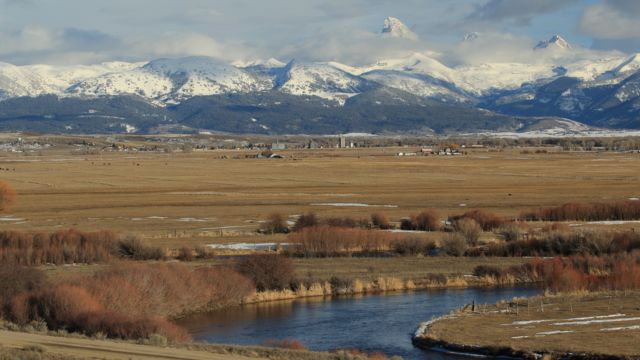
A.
x: 587, y: 326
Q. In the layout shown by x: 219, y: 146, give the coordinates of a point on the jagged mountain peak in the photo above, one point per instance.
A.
x: 394, y: 27
x: 555, y: 42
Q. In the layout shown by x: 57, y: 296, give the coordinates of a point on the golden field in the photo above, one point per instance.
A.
x: 201, y: 197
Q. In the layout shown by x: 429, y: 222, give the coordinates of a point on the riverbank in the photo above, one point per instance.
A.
x: 381, y: 285
x: 582, y: 326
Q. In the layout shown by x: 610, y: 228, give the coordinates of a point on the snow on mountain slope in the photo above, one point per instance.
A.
x: 34, y: 80
x: 16, y: 81
x: 481, y: 79
x: 589, y: 70
x: 418, y: 84
x: 473, y: 79
x: 322, y: 80
x: 175, y: 79
x: 631, y: 64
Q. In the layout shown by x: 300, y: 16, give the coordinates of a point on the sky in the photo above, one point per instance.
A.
x: 92, y: 31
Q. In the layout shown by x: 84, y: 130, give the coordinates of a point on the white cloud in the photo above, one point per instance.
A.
x: 605, y: 21
x: 613, y: 24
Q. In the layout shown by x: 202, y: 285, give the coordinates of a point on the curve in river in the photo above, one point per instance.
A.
x: 382, y: 323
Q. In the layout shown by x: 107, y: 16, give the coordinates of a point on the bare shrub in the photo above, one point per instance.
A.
x: 268, y: 271
x: 488, y: 221
x: 345, y: 222
x: 324, y: 241
x: 166, y: 290
x: 469, y: 229
x: 275, y: 224
x: 305, y: 221
x: 380, y: 220
x: 615, y: 210
x: 510, y: 232
x: 411, y: 246
x: 133, y: 248
x: 17, y: 279
x: 185, y: 254
x: 557, y: 243
x: 7, y: 196
x: 427, y: 220
x: 454, y: 244
x: 61, y: 247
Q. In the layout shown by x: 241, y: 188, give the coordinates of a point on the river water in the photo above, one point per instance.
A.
x: 377, y: 323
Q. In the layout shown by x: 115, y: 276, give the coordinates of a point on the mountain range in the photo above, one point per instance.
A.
x: 417, y: 93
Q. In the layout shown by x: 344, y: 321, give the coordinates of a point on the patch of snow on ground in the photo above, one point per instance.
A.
x: 595, y: 321
x: 597, y: 317
x: 529, y: 322
x: 353, y: 205
x: 634, y: 327
x: 554, y: 332
x: 190, y: 219
x: 614, y: 222
x: 10, y: 218
x: 248, y: 246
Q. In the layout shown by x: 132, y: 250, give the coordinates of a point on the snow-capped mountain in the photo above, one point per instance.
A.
x: 173, y: 80
x: 322, y: 80
x: 561, y: 82
x: 555, y: 42
x: 395, y: 28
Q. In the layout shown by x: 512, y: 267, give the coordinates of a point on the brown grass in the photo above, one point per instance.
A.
x: 485, y: 327
x: 200, y: 194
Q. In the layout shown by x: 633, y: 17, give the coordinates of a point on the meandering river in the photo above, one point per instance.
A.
x: 382, y: 323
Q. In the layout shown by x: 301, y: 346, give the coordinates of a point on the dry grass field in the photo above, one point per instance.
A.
x: 596, y: 323
x: 199, y: 198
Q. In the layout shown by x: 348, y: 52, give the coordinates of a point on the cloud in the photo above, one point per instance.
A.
x: 351, y: 46
x: 613, y: 24
x: 520, y: 12
x: 78, y: 46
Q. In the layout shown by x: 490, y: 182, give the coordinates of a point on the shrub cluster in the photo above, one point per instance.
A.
x: 560, y: 243
x: 312, y: 220
x: 411, y: 246
x: 426, y: 220
x: 268, y: 271
x: 589, y: 273
x: 380, y: 220
x: 578, y: 273
x: 135, y: 249
x: 275, y: 224
x: 487, y: 220
x: 61, y: 247
x: 616, y: 210
x: 128, y: 301
x: 325, y: 241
